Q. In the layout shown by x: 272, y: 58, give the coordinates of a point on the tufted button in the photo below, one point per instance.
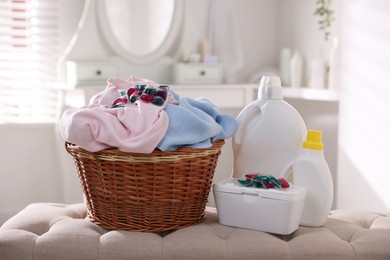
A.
x: 361, y: 218
x: 382, y: 222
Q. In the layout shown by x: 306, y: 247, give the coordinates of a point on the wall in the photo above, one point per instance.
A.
x: 255, y: 19
x: 364, y: 119
x: 38, y: 171
x: 362, y: 26
x: 298, y: 30
x: 29, y: 174
x: 363, y: 29
x: 29, y: 167
x: 35, y: 167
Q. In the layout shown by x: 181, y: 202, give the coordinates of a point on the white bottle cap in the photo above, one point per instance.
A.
x: 270, y: 88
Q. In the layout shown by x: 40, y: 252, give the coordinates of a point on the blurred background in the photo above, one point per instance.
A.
x: 332, y: 56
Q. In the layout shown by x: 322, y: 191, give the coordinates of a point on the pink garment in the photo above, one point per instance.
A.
x: 137, y: 127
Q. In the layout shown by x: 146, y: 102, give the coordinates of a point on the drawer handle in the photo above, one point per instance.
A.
x: 202, y: 72
x: 98, y: 72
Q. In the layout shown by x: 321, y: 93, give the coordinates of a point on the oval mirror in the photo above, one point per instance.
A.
x: 140, y: 30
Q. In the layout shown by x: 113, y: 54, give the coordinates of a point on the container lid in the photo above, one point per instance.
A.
x: 232, y: 186
x: 270, y: 88
x: 313, y: 140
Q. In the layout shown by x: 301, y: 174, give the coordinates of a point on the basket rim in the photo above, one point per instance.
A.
x: 113, y: 154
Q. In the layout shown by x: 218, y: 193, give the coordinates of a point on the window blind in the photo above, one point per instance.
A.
x: 28, y: 57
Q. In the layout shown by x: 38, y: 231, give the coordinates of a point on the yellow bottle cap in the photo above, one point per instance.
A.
x: 313, y: 140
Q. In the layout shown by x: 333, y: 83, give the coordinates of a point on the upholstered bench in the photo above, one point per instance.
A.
x: 57, y: 231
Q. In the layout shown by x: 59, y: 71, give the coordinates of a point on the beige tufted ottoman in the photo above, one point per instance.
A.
x: 57, y: 231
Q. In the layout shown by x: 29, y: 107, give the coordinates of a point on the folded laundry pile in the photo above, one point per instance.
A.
x: 139, y: 115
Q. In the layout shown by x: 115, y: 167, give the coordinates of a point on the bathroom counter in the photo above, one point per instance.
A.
x: 222, y: 95
x: 240, y: 95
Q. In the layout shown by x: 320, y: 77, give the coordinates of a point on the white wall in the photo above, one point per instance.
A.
x: 364, y: 32
x: 38, y: 169
x: 364, y: 140
x: 29, y: 167
x: 363, y: 29
x: 298, y: 30
x: 29, y: 173
x: 34, y: 167
x: 255, y: 19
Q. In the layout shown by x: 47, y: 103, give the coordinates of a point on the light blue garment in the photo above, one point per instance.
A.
x: 196, y: 123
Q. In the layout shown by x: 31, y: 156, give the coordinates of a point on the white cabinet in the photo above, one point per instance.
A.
x: 197, y: 73
x: 240, y: 95
x: 89, y: 72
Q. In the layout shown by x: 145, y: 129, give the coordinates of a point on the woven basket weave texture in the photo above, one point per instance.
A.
x: 146, y: 192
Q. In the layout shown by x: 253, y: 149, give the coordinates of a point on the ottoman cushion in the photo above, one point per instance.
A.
x: 59, y: 231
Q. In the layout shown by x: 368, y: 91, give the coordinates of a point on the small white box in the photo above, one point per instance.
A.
x: 87, y: 73
x: 197, y: 73
x: 269, y: 210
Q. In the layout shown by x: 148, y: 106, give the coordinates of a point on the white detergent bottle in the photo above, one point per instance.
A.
x: 269, y: 135
x: 311, y: 171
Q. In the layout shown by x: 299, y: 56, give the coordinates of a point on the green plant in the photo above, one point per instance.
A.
x: 326, y: 15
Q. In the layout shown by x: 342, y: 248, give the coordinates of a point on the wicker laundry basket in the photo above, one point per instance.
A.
x: 146, y: 192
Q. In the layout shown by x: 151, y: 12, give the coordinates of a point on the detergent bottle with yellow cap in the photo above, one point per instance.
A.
x: 310, y: 170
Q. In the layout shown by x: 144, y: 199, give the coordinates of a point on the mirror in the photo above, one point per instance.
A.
x: 140, y: 31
